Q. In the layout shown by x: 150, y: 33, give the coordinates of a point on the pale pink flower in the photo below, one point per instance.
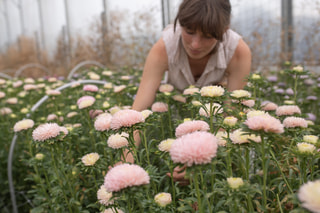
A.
x: 90, y: 88
x: 114, y: 109
x: 212, y: 91
x: 64, y: 130
x: 194, y: 148
x: 52, y: 117
x: 102, y: 123
x: 265, y: 122
x: 29, y: 81
x: 163, y: 199
x: 221, y: 136
x: 86, y: 97
x: 146, y: 113
x: 179, y: 98
x: 23, y: 125
x: 46, y: 131
x: 249, y: 103
x: 165, y: 145
x: 268, y: 106
x: 291, y: 122
x: 166, y: 88
x: 71, y: 114
x: 191, y: 91
x: 2, y: 81
x: 53, y: 92
x: 104, y: 197
x: 85, y: 102
x: 17, y: 84
x: 52, y: 79
x: 2, y: 94
x: 117, y: 140
x: 159, y: 107
x: 5, y: 111
x: 28, y: 87
x: 235, y: 182
x: 118, y: 89
x: 191, y: 126
x: 125, y: 175
x: 230, y: 121
x: 239, y: 137
x: 126, y: 118
x: 309, y: 195
x: 125, y: 77
x: 288, y: 110
x: 12, y: 100
x: 90, y: 159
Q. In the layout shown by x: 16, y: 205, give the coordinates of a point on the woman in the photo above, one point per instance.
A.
x: 199, y: 49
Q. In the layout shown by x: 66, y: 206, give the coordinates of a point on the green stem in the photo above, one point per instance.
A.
x: 211, y: 117
x: 196, y: 184
x: 247, y: 163
x: 35, y: 167
x: 279, y: 203
x: 146, y: 146
x: 295, y: 88
x: 92, y: 139
x: 264, y: 168
x: 283, y: 176
x: 58, y: 179
x: 169, y: 119
x: 172, y: 185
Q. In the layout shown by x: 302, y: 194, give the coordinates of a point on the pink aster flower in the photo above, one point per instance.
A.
x: 191, y: 91
x: 28, y: 87
x: 53, y: 92
x: 194, y: 148
x: 125, y: 175
x: 85, y: 101
x: 118, y: 89
x: 166, y: 88
x: 268, y: 106
x: 90, y: 88
x: 117, y: 140
x: 159, y: 107
x: 46, y: 131
x: 102, y: 122
x: 249, y: 103
x: 291, y: 122
x: 83, y: 98
x: 2, y: 94
x: 126, y: 118
x: 23, y: 125
x: 179, y: 98
x: 191, y: 126
x: 288, y: 110
x: 52, y: 117
x: 264, y: 122
x: 309, y: 195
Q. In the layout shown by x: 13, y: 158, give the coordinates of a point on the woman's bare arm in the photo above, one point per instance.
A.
x: 155, y: 66
x: 239, y: 67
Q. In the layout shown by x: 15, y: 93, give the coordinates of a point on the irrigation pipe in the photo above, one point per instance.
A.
x: 81, y: 64
x: 14, y: 139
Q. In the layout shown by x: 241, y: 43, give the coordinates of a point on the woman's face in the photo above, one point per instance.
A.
x: 197, y: 44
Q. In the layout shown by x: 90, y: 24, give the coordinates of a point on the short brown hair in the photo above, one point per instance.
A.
x: 209, y: 16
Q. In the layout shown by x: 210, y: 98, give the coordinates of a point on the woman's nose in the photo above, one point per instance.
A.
x: 195, y: 42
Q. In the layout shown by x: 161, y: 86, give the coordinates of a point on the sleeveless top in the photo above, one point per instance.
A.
x: 179, y: 74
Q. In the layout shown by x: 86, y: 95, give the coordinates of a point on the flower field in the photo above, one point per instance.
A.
x: 250, y: 150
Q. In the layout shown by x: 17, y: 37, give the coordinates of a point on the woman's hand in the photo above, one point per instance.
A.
x: 178, y: 175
